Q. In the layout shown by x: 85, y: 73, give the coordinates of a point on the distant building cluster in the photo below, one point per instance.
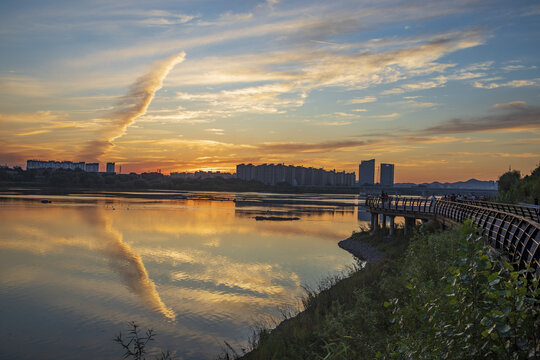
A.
x: 67, y: 165
x: 269, y: 174
x: 201, y: 175
x: 272, y: 174
x: 366, y: 173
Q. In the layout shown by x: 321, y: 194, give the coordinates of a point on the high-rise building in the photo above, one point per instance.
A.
x: 92, y: 167
x: 110, y: 167
x: 272, y: 174
x: 366, y: 172
x: 387, y: 174
x: 54, y: 165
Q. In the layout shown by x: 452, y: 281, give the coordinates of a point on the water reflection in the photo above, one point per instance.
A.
x: 206, y: 267
x: 126, y: 263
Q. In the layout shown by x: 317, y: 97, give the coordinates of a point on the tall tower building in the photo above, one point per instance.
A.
x: 110, y: 167
x: 387, y: 174
x: 366, y: 172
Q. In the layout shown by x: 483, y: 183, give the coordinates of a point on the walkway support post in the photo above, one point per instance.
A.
x: 392, y: 226
x: 383, y: 221
x: 409, y: 223
x: 374, y: 223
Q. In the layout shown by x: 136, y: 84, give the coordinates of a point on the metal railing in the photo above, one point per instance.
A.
x: 400, y: 204
x: 529, y: 212
x: 508, y: 230
x: 516, y: 235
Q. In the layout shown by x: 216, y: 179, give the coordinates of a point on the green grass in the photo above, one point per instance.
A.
x: 441, y: 294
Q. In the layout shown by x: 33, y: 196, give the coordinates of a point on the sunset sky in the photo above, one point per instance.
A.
x: 445, y: 90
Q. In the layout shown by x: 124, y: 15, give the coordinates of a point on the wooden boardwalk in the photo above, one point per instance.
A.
x: 513, y: 229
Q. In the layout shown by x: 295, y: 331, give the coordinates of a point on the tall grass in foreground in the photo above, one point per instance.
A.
x: 440, y: 295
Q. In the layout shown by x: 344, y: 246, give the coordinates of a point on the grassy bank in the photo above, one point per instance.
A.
x: 436, y: 295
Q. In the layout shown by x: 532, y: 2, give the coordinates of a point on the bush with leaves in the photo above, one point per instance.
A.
x: 481, y: 307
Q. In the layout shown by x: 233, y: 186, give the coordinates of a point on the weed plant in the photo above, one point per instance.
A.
x: 135, y: 343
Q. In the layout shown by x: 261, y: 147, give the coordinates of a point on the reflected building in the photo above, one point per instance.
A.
x: 363, y: 215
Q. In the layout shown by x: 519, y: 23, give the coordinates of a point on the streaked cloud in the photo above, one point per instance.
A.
x: 324, y: 146
x: 334, y: 123
x: 517, y: 67
x: 364, y: 100
x: 132, y: 106
x: 386, y: 116
x: 521, y: 119
x: 23, y: 86
x: 215, y: 131
x: 511, y: 84
x: 418, y: 104
x: 511, y: 104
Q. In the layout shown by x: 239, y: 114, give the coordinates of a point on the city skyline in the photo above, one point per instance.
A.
x: 445, y: 91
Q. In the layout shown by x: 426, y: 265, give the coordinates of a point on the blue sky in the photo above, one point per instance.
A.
x: 445, y: 90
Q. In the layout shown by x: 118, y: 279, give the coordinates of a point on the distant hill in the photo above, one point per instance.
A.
x: 471, y: 184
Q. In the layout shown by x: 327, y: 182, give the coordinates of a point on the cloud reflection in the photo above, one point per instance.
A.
x: 126, y: 263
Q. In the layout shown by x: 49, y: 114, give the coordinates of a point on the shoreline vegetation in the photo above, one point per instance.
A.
x: 437, y: 294
x: 65, y: 181
x: 62, y: 181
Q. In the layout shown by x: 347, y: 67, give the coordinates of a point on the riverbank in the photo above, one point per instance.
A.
x: 439, y: 294
x: 361, y: 249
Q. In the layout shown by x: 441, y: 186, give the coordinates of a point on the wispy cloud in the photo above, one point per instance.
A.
x: 511, y: 104
x: 517, y: 67
x: 314, y: 147
x: 522, y: 118
x: 319, y: 68
x: 133, y: 105
x: 364, y: 100
x: 334, y: 123
x: 512, y: 84
x: 418, y: 104
x: 386, y: 116
x: 23, y: 86
x: 215, y: 131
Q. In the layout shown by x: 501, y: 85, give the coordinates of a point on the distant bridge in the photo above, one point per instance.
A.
x: 513, y: 229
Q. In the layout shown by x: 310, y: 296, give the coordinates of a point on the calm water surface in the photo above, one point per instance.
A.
x: 199, y: 270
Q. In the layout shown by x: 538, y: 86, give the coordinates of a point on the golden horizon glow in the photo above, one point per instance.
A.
x: 438, y: 91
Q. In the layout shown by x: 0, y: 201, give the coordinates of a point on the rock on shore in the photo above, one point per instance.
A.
x: 361, y: 250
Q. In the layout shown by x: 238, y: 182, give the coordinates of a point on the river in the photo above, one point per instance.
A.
x: 198, y: 268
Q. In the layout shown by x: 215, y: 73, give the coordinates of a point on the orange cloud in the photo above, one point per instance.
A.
x: 132, y: 106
